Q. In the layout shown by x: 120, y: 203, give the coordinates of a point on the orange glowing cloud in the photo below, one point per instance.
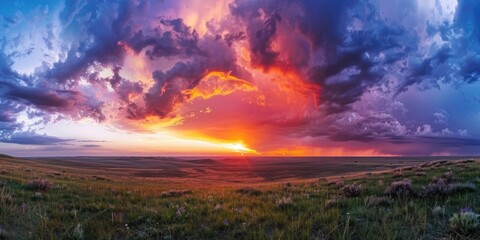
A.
x: 218, y: 84
x: 239, y: 111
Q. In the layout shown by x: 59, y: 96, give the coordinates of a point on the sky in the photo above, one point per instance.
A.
x: 232, y: 77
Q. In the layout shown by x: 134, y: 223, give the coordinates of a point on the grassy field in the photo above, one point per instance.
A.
x: 428, y: 200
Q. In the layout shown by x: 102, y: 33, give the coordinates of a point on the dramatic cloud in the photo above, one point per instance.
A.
x: 31, y: 138
x: 380, y: 76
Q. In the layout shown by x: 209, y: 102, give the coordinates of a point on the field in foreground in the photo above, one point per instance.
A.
x: 301, y: 198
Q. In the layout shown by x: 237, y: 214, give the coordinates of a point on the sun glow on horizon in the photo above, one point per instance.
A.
x: 239, y: 147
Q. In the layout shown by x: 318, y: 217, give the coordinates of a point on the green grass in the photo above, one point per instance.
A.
x: 82, y: 207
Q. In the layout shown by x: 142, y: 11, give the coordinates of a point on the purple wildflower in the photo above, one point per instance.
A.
x: 466, y: 210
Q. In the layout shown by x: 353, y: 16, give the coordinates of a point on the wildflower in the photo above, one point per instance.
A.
x: 236, y: 209
x: 78, y: 232
x: 23, y: 207
x: 218, y: 207
x: 284, y: 201
x: 466, y: 210
x: 74, y: 213
x: 181, y: 211
x: 226, y: 222
x: 37, y: 195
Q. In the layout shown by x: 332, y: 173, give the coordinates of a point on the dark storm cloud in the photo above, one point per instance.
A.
x: 470, y: 68
x: 62, y: 101
x: 259, y: 31
x: 7, y: 74
x: 350, y: 60
x: 32, y: 138
x: 39, y: 97
x: 8, y: 118
x: 91, y: 145
x: 172, y: 38
x: 354, y: 48
x: 97, y: 30
x: 467, y: 16
x: 426, y: 70
x: 167, y: 93
x: 355, y: 66
x: 123, y: 87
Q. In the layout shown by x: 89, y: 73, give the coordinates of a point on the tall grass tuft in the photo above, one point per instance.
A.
x: 375, y: 201
x: 250, y: 191
x: 175, y: 193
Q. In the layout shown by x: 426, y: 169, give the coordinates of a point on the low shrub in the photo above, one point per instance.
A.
x: 437, y: 188
x: 447, y: 177
x: 400, y: 188
x: 441, y: 188
x: 351, y: 190
x: 464, y: 223
x: 40, y: 184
